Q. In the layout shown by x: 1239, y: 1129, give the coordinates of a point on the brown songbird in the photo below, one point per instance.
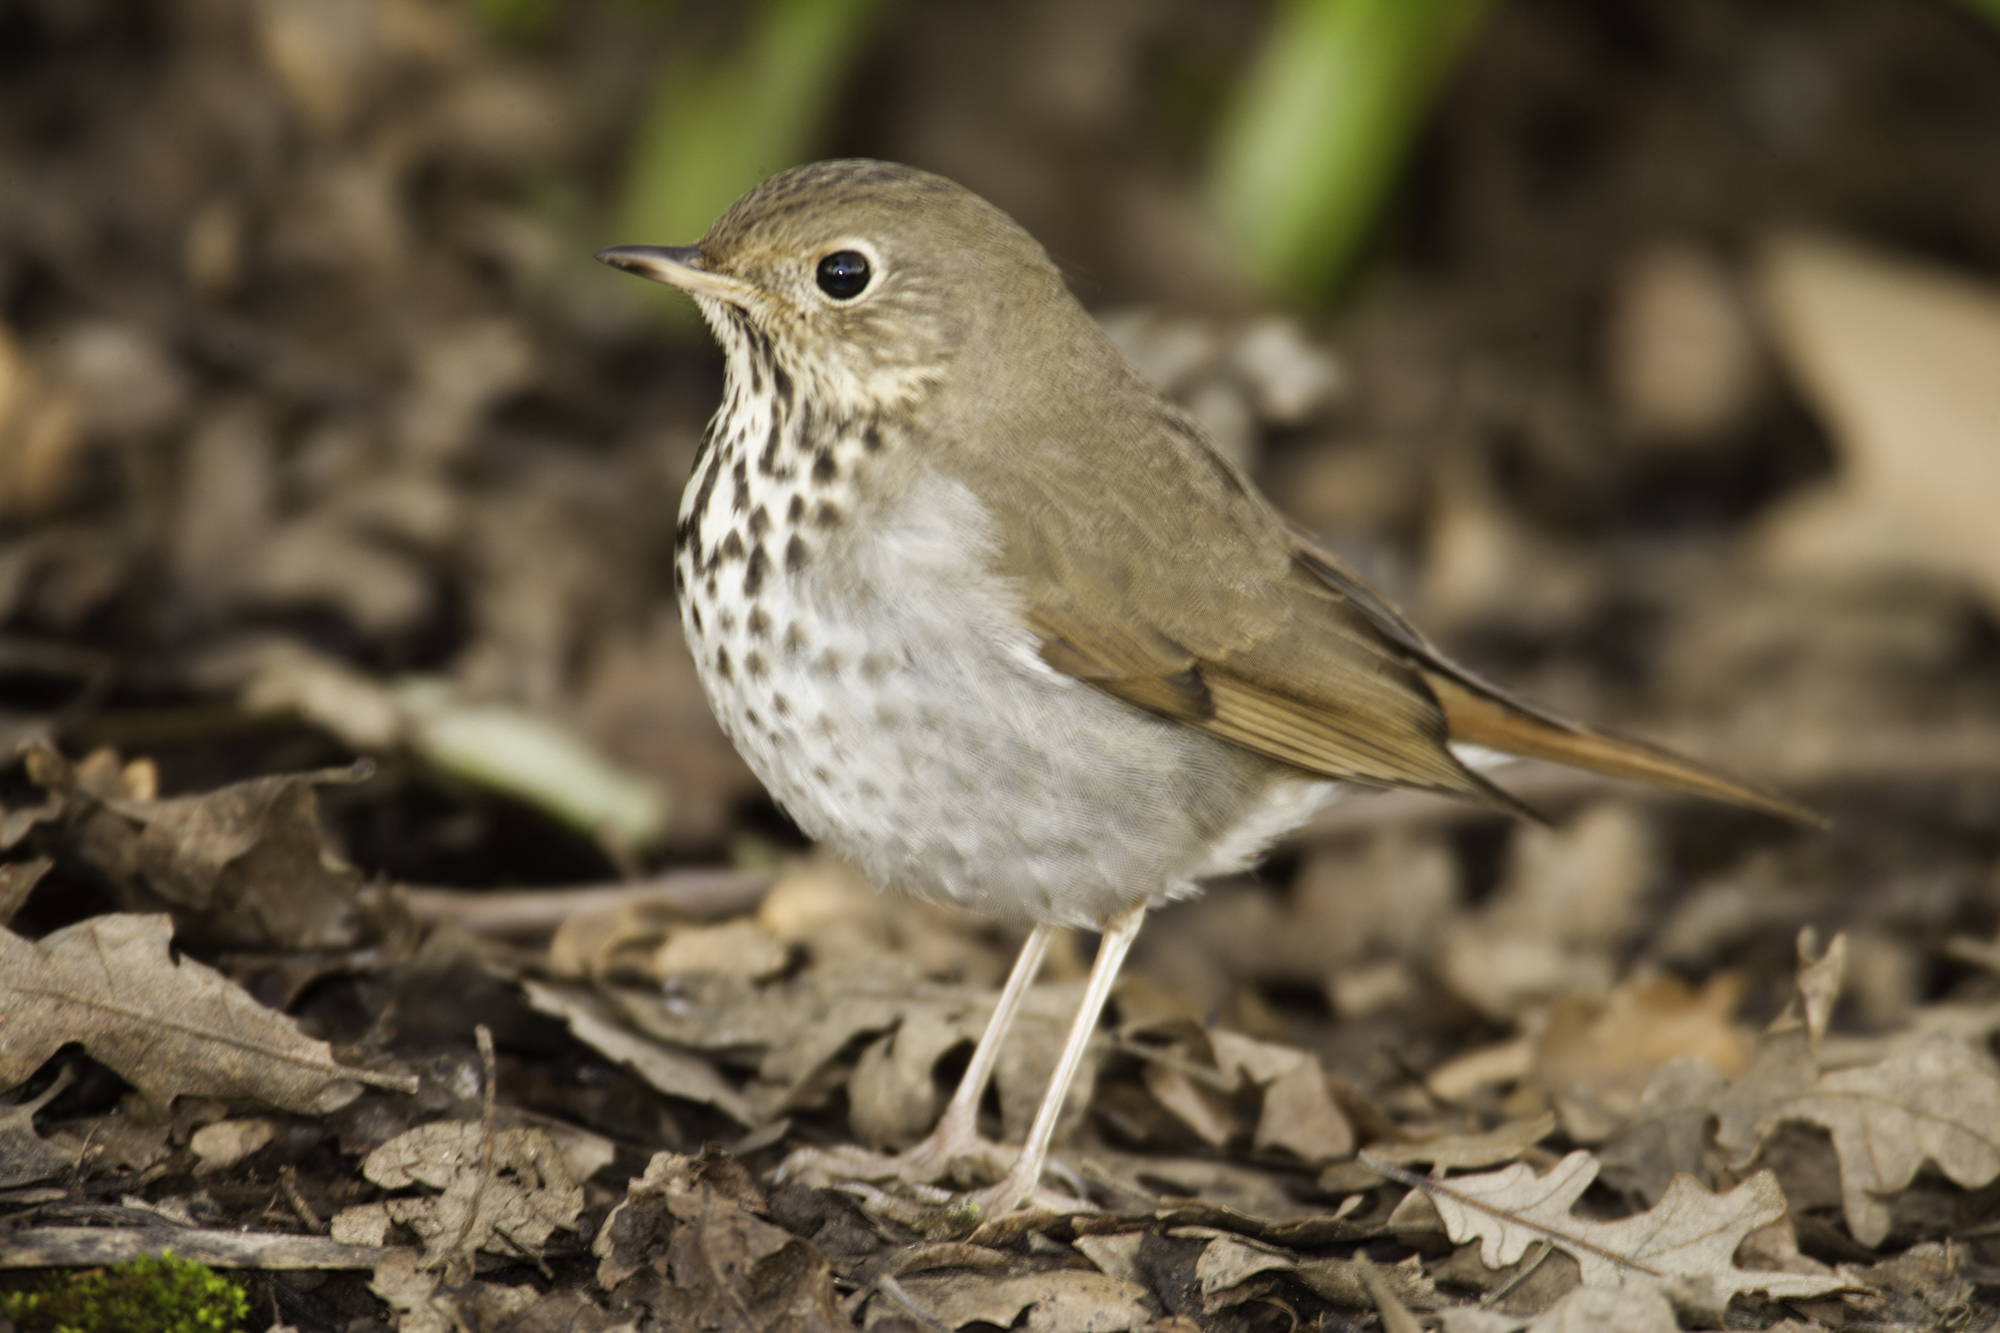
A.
x: 989, y: 614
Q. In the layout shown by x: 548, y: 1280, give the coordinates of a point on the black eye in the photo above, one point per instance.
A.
x: 844, y: 274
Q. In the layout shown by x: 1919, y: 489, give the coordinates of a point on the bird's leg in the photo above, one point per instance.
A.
x: 957, y: 1131
x: 956, y: 1134
x: 1024, y: 1178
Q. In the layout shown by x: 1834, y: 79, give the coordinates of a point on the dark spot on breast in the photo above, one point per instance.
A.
x: 768, y: 460
x: 780, y: 704
x: 690, y: 526
x: 782, y: 382
x: 827, y: 665
x: 694, y: 614
x: 722, y: 667
x: 824, y: 468
x: 795, y: 638
x: 753, y: 575
x: 758, y: 623
x: 754, y: 664
x: 708, y: 586
x: 732, y: 546
x: 871, y: 438
x: 680, y: 580
x: 826, y: 514
x: 740, y: 474
x: 796, y: 554
x: 796, y: 510
x: 750, y: 717
x: 760, y: 521
x: 724, y: 621
x: 874, y: 666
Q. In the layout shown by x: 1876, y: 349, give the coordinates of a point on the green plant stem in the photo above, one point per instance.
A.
x: 1313, y: 145
x: 717, y: 127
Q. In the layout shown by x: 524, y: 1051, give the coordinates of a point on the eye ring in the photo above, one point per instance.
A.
x: 844, y: 274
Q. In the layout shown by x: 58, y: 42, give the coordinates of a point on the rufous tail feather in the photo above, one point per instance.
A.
x: 1474, y: 717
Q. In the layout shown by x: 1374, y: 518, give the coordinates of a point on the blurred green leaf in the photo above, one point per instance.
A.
x: 1311, y: 149
x: 1990, y: 8
x: 515, y: 18
x: 720, y: 125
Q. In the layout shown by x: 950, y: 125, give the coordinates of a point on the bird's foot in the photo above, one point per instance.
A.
x: 960, y: 1158
x: 907, y: 1186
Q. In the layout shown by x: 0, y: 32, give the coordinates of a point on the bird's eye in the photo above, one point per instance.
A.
x: 844, y: 274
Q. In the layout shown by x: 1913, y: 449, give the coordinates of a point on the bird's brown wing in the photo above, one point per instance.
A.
x: 1179, y: 590
x: 1195, y: 601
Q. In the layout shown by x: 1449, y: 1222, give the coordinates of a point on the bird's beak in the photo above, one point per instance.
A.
x: 677, y: 266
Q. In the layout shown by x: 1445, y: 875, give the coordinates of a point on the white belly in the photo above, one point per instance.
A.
x: 893, y: 703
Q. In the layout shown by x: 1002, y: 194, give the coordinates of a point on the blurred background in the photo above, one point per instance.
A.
x: 1647, y: 350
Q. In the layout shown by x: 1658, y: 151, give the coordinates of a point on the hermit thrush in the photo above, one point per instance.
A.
x: 987, y: 612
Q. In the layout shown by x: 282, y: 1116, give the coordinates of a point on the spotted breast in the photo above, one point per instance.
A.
x: 839, y: 594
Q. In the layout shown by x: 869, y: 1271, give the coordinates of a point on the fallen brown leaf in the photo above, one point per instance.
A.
x: 168, y: 1028
x: 1461, y: 1152
x: 1936, y: 1099
x: 1691, y: 1234
x: 1060, y: 1301
x: 26, y: 1156
x: 1595, y: 1058
x: 241, y: 867
x: 689, y: 1244
x: 507, y: 1203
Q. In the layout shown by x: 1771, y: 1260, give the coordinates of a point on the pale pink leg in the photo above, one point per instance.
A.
x: 957, y: 1130
x: 956, y: 1134
x: 1026, y: 1174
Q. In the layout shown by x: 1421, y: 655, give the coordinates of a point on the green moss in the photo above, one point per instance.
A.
x: 142, y: 1295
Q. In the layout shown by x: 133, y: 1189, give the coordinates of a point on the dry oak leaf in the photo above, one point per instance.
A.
x: 1935, y: 1099
x: 1691, y: 1235
x: 168, y: 1028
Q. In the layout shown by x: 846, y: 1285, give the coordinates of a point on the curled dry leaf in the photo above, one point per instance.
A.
x: 689, y: 1243
x: 676, y: 1072
x: 168, y: 1028
x: 18, y: 880
x: 1690, y: 1235
x: 242, y: 866
x: 24, y: 1155
x: 509, y: 1204
x: 1934, y: 1099
x: 1462, y: 1152
x: 1786, y: 1058
x: 1299, y: 1114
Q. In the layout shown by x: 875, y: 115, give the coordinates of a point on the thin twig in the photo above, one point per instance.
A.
x: 525, y: 913
x: 461, y: 1247
x: 288, y: 1181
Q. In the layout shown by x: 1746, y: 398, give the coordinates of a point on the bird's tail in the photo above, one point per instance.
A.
x: 1497, y: 722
